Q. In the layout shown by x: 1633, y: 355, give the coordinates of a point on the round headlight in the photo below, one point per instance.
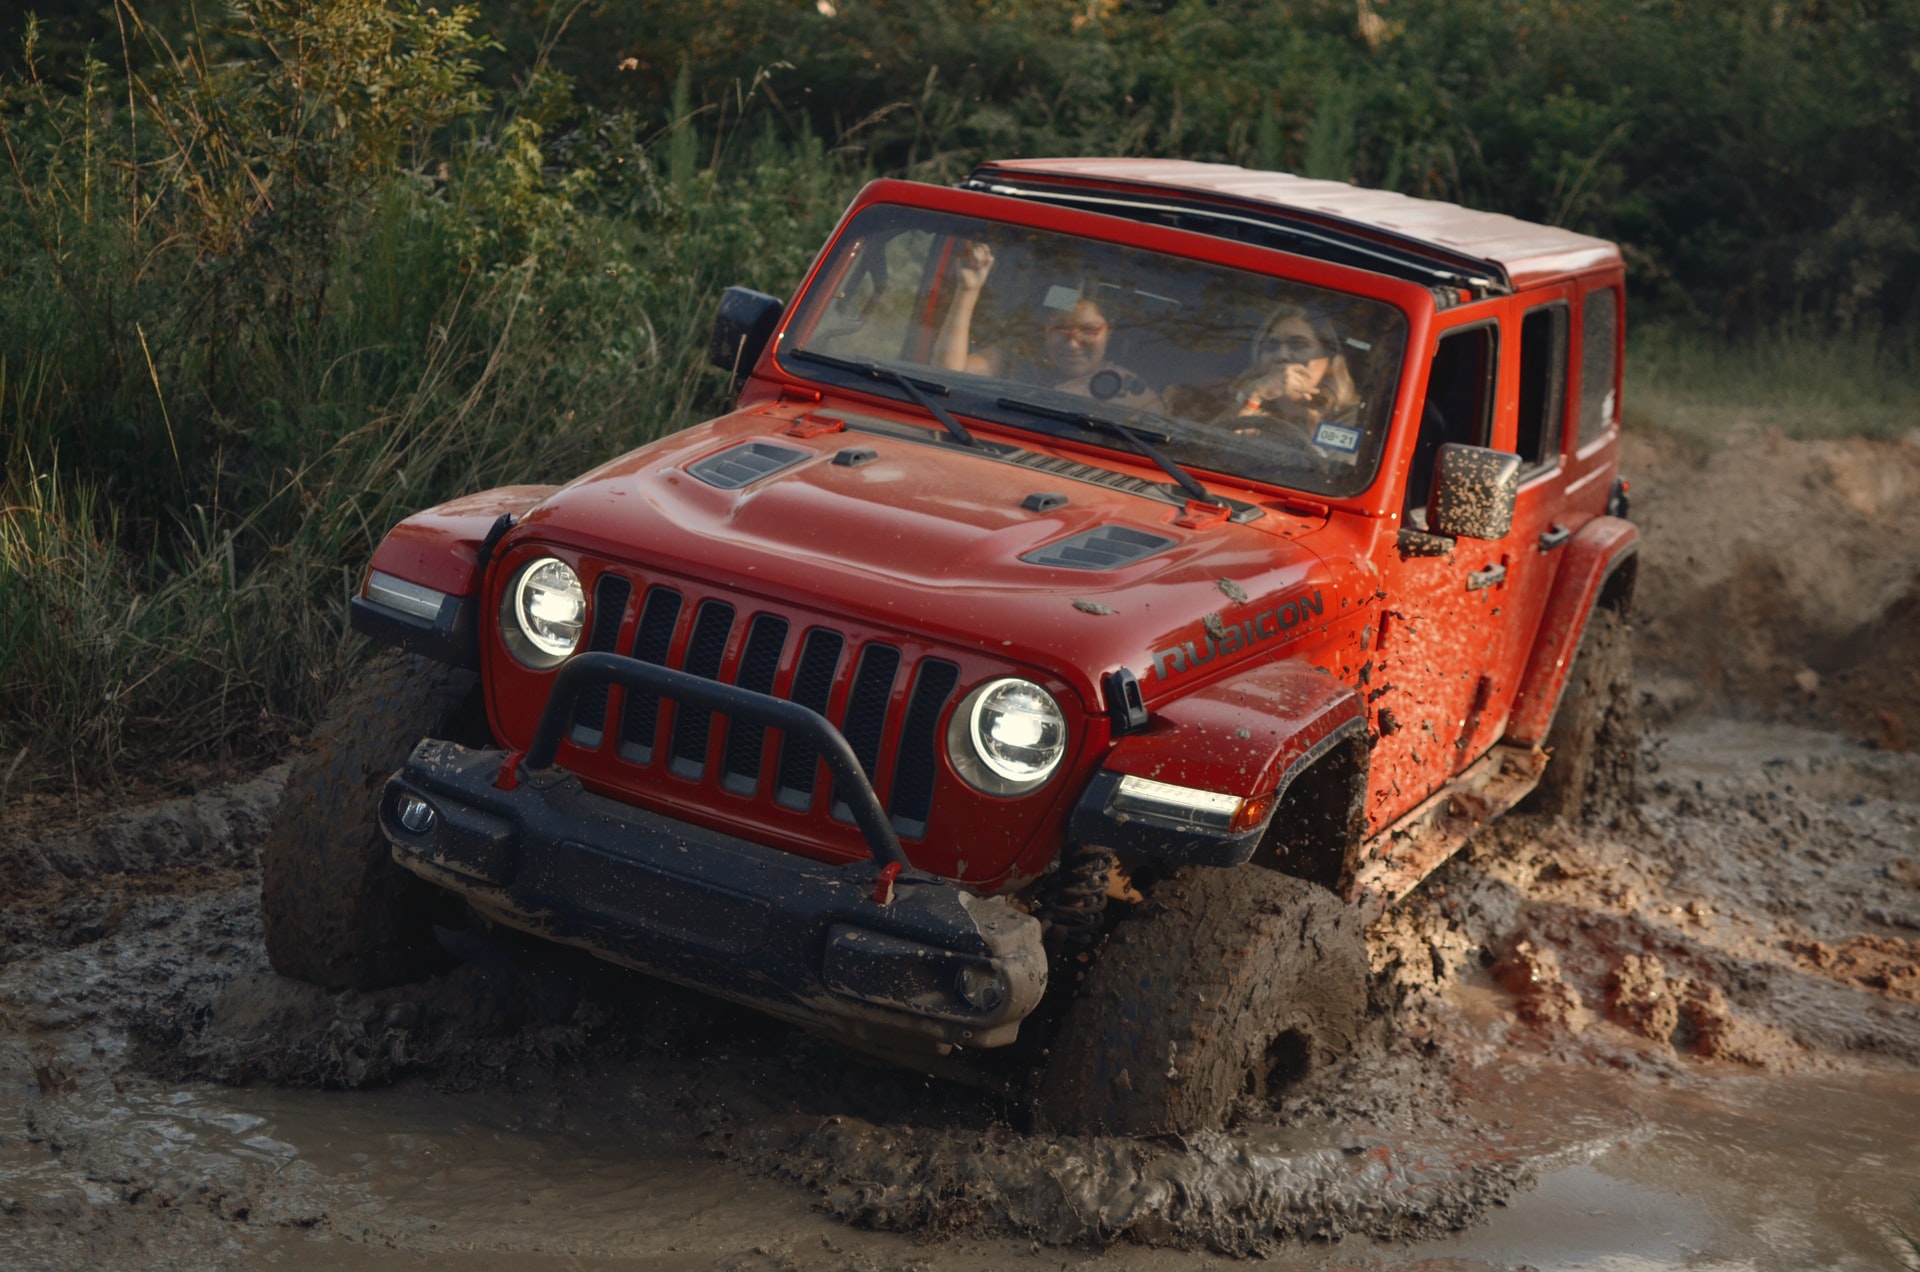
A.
x: 549, y: 609
x: 1010, y: 736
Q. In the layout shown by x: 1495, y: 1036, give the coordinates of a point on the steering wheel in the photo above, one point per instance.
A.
x: 1290, y: 433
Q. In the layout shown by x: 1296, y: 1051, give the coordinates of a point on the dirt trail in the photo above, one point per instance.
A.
x: 1589, y: 1006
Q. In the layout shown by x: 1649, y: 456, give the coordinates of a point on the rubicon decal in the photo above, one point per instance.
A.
x: 1216, y: 637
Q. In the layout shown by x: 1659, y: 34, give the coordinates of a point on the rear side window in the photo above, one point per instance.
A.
x: 1599, y: 358
x: 1543, y: 381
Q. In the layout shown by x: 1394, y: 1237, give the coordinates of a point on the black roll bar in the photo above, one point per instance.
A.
x: 793, y: 720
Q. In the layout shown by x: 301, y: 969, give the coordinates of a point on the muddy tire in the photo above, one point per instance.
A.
x: 1225, y: 983
x: 339, y: 912
x: 1596, y: 729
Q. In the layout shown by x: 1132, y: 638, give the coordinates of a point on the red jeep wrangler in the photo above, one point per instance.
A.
x: 1118, y: 581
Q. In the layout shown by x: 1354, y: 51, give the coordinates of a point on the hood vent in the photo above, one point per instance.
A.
x: 1107, y: 548
x: 743, y: 465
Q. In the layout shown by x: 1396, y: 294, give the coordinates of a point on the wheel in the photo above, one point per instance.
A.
x: 1596, y: 729
x: 1225, y: 983
x: 338, y: 910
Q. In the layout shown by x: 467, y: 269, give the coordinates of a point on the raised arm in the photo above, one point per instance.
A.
x: 952, y: 348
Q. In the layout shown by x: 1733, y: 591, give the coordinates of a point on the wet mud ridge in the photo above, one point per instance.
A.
x: 1757, y: 912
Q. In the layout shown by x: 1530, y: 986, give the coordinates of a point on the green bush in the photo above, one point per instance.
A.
x: 1756, y: 158
x: 257, y: 318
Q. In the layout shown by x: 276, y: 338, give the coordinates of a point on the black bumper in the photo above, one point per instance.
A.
x: 797, y: 938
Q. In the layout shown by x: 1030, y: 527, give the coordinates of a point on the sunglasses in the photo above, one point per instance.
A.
x: 1298, y: 348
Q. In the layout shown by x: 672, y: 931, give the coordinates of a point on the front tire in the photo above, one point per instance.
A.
x: 338, y: 911
x: 1225, y: 983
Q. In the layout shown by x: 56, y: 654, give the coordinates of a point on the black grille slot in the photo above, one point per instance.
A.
x: 651, y: 641
x: 867, y: 713
x: 742, y: 465
x: 705, y: 650
x: 1106, y: 548
x: 918, y: 759
x: 746, y: 740
x: 812, y: 685
x: 888, y: 705
x: 609, y: 608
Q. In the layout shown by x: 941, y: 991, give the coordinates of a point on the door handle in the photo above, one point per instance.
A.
x: 1486, y: 578
x: 1554, y: 537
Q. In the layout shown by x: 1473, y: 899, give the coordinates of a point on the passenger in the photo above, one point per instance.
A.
x: 1073, y: 344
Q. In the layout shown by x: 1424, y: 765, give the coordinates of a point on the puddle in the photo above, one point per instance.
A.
x: 1736, y: 1172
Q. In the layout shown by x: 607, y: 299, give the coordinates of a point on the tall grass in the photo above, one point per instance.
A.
x: 241, y: 335
x: 1798, y: 378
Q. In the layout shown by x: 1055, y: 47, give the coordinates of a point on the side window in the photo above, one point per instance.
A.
x: 1459, y: 405
x: 1543, y: 385
x: 1599, y: 360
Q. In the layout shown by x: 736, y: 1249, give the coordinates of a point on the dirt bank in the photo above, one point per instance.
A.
x: 1753, y: 925
x: 1781, y: 580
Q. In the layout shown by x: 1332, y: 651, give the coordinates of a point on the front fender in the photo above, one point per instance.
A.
x: 1248, y: 736
x: 1595, y: 558
x: 422, y: 589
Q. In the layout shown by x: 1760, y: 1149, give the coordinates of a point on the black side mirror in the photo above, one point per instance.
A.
x: 1473, y: 492
x: 742, y: 328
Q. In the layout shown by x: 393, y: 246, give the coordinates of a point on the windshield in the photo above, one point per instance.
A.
x: 1240, y: 373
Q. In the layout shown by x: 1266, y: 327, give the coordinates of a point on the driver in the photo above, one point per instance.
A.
x: 1297, y: 387
x: 1073, y: 342
x: 1297, y: 370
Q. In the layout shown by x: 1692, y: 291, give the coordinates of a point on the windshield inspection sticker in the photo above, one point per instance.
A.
x: 1337, y: 437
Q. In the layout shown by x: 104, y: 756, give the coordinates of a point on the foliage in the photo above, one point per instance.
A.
x: 1756, y: 158
x: 254, y: 313
x: 274, y: 273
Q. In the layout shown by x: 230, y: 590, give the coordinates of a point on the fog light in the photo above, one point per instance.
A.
x: 985, y: 988
x: 414, y: 813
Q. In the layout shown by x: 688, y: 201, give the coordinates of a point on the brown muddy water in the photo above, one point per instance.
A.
x: 1687, y: 1040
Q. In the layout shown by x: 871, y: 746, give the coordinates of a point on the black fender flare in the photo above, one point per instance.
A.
x: 1247, y: 736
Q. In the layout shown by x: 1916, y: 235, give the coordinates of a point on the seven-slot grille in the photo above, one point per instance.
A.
x: 636, y: 730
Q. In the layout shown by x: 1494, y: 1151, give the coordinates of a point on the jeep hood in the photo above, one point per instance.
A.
x: 903, y: 528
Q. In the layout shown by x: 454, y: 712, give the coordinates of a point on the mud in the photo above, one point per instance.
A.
x: 1702, y: 1018
x: 1785, y: 580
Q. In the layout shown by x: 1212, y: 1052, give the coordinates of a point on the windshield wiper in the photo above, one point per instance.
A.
x: 1141, y: 439
x: 887, y: 375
